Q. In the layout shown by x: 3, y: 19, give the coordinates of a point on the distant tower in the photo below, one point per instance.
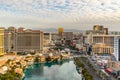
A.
x: 98, y: 27
x: 60, y: 31
x: 1, y: 41
x: 90, y: 38
x: 106, y: 31
x: 9, y: 42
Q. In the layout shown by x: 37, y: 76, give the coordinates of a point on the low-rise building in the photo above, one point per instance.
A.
x: 54, y: 36
x: 18, y: 71
x: 100, y: 48
x: 67, y: 35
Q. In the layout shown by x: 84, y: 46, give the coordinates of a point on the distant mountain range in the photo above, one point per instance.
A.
x: 56, y: 30
x: 65, y: 30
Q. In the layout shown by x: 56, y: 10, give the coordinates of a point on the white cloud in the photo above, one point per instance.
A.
x: 53, y: 12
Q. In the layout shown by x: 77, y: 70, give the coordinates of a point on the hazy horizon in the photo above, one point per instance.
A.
x: 69, y: 14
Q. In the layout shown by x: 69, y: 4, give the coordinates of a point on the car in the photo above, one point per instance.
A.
x: 93, y: 59
x: 102, y: 67
x: 118, y: 78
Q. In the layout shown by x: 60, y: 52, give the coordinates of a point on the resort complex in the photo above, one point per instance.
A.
x: 59, y: 39
x: 92, y: 55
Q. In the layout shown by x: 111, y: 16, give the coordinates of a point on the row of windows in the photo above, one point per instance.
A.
x: 104, y: 50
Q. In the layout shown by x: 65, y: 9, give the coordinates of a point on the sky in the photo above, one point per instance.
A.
x: 69, y: 14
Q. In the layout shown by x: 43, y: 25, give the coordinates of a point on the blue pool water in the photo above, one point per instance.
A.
x: 64, y: 70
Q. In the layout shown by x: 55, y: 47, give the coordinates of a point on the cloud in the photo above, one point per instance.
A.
x: 52, y: 12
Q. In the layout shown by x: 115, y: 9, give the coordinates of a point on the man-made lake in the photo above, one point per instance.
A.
x: 63, y: 70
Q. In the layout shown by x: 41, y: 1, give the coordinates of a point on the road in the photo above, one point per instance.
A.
x: 94, y: 63
x: 97, y: 67
x: 95, y: 76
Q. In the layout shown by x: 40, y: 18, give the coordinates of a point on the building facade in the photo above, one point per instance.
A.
x: 101, y: 48
x: 60, y: 31
x: 1, y: 41
x: 112, y: 43
x: 10, y: 38
x: 47, y: 39
x: 67, y: 35
x: 99, y: 30
x: 107, y: 39
x: 89, y: 38
x: 106, y: 31
x: 54, y: 36
x: 117, y: 48
x: 29, y: 40
x: 114, y: 33
x: 20, y: 40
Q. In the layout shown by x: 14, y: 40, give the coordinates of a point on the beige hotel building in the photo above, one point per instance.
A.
x: 20, y: 40
x: 103, y: 43
x: 29, y: 40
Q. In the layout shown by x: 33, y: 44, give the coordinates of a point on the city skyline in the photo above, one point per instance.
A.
x: 69, y: 14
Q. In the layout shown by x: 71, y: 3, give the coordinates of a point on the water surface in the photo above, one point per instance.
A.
x: 64, y: 70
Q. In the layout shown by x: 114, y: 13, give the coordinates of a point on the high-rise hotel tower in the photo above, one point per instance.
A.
x: 1, y: 41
